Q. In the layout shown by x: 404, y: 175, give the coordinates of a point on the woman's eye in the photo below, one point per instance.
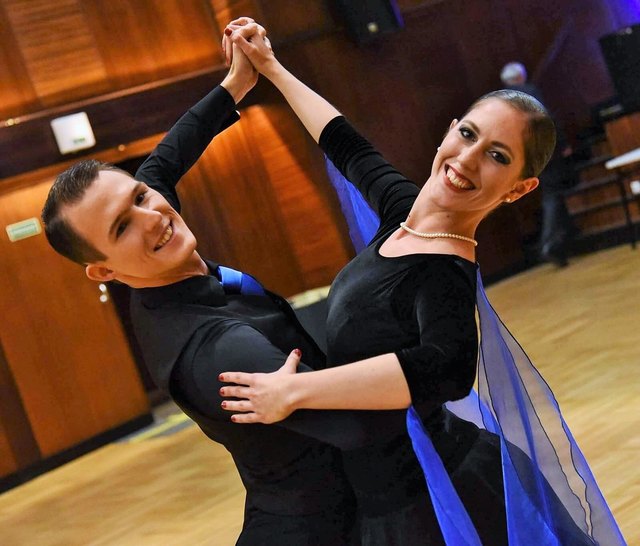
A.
x: 121, y: 228
x: 466, y: 133
x: 500, y: 158
x: 140, y: 197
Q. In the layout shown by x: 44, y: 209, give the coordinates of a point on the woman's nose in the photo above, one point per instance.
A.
x: 469, y: 156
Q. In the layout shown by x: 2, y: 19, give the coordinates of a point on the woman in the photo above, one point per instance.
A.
x: 402, y: 313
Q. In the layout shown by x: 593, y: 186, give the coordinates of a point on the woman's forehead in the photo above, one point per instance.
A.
x: 500, y: 120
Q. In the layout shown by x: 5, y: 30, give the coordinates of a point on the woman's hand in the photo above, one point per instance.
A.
x: 227, y: 44
x: 265, y: 397
x: 252, y: 39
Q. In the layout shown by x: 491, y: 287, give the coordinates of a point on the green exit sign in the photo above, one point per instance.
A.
x: 24, y: 229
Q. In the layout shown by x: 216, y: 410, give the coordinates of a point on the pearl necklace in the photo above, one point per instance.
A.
x: 404, y: 226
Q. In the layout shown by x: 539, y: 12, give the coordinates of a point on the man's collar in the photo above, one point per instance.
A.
x: 199, y: 289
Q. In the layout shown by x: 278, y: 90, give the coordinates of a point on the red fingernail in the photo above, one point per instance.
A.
x: 223, y: 404
x: 233, y: 418
x: 228, y: 31
x: 222, y: 391
x: 298, y: 352
x: 221, y: 377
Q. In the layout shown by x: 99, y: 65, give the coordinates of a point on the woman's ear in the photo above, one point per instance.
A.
x: 99, y: 273
x: 522, y: 188
x: 452, y: 124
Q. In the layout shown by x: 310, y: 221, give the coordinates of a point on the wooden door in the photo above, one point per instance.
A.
x: 65, y: 349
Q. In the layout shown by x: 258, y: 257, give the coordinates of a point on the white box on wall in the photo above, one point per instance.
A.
x: 73, y: 133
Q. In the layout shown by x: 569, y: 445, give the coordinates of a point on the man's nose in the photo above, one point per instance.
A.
x: 149, y: 219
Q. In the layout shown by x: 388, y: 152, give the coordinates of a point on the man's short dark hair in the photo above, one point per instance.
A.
x: 69, y: 188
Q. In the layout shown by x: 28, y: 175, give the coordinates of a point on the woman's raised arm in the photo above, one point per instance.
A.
x: 314, y: 111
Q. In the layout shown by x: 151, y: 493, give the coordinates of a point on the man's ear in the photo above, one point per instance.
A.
x: 99, y: 273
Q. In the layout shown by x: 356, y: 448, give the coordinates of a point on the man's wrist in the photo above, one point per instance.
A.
x: 234, y: 87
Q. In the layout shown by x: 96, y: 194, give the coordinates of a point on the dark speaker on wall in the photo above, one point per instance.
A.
x: 368, y: 19
x: 621, y: 52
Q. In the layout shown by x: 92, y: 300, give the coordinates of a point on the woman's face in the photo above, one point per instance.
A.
x: 480, y: 160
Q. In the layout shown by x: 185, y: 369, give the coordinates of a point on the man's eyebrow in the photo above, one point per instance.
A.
x: 493, y: 142
x: 124, y: 211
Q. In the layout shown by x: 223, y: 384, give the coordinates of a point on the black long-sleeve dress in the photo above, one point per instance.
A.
x: 422, y: 308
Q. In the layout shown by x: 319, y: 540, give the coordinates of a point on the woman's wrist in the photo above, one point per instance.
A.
x: 273, y: 71
x: 292, y: 387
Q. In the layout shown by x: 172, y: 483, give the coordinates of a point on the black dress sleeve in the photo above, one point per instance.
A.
x: 236, y: 346
x: 442, y: 366
x: 186, y: 141
x: 384, y: 188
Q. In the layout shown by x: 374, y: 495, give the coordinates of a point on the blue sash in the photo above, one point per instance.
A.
x: 548, y: 486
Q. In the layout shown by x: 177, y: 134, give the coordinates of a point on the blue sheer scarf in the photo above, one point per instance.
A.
x: 548, y: 486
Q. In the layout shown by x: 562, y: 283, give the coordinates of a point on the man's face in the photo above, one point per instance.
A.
x: 145, y: 240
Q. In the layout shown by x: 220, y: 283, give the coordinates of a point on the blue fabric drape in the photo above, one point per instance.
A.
x: 548, y: 486
x: 361, y: 219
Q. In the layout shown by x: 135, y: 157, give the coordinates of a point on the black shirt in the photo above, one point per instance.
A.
x: 191, y: 331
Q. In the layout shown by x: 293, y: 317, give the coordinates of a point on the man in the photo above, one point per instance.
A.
x: 195, y: 319
x: 558, y: 176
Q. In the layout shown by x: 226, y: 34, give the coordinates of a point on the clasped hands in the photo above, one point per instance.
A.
x: 262, y: 397
x: 251, y: 38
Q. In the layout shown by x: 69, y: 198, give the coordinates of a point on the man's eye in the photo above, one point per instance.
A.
x: 121, y: 228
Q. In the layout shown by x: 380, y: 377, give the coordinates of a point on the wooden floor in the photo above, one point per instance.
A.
x: 580, y: 326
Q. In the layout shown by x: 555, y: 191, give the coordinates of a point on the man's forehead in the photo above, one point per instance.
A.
x: 101, y: 199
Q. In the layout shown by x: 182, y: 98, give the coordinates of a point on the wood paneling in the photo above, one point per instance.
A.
x: 117, y: 119
x: 66, y: 350
x: 228, y: 10
x: 147, y: 40
x: 59, y: 52
x: 299, y: 184
x: 252, y: 205
x: 16, y: 90
x: 58, y: 49
x: 18, y: 447
x: 623, y: 133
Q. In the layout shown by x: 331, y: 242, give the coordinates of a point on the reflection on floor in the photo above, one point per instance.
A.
x: 579, y: 325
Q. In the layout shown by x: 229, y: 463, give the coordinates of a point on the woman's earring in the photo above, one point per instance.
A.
x: 438, y: 148
x: 508, y: 200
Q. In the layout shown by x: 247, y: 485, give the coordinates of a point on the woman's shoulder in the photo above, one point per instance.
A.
x: 448, y: 273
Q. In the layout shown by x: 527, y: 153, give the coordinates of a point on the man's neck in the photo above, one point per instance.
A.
x: 194, y: 267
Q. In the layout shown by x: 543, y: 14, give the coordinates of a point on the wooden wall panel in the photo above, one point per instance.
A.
x: 298, y: 183
x: 18, y: 447
x: 66, y: 350
x: 58, y: 49
x: 252, y: 205
x: 147, y: 40
x: 228, y: 10
x: 623, y: 133
x: 16, y: 90
x: 64, y: 51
